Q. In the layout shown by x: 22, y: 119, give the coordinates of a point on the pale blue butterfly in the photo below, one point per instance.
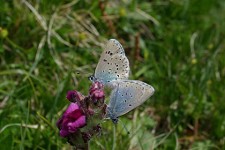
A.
x: 113, y: 71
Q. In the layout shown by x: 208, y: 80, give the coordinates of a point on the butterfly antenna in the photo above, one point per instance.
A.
x: 75, y: 78
x: 124, y: 126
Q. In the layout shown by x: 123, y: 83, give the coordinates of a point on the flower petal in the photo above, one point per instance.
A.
x: 72, y: 107
x: 64, y: 133
x: 74, y: 115
x: 80, y: 122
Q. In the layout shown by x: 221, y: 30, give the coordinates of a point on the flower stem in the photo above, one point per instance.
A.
x: 85, y: 147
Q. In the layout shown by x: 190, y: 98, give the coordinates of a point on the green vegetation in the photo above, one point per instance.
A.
x: 177, y: 46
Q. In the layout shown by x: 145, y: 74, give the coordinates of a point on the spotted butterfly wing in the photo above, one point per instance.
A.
x: 113, y: 64
x: 127, y: 95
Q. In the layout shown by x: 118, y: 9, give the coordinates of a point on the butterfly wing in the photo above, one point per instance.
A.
x: 127, y: 95
x: 113, y: 64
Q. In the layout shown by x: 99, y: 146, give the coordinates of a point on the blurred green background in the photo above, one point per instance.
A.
x: 177, y: 46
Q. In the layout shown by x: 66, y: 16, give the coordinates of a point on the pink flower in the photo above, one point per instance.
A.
x: 84, y: 112
x: 96, y: 93
x: 72, y: 119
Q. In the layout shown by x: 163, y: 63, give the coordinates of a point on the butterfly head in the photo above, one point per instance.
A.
x: 92, y: 78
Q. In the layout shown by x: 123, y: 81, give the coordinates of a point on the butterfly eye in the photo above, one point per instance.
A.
x: 92, y: 78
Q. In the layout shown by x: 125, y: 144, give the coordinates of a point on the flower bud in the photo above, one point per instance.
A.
x: 96, y: 93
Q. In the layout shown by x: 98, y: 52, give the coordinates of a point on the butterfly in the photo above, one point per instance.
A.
x: 113, y: 71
